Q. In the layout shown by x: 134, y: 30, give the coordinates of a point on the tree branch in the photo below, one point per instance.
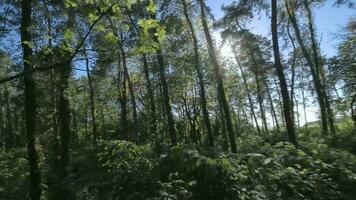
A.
x: 77, y: 49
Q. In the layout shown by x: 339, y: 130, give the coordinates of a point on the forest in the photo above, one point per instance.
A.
x: 162, y: 100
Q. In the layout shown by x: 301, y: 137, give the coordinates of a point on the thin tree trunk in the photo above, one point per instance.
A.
x: 9, y: 135
x: 218, y: 76
x: 165, y: 90
x: 282, y: 80
x: 149, y: 88
x: 91, y: 98
x: 121, y: 85
x: 297, y: 106
x: 191, y: 121
x: 248, y: 93
x: 153, y: 124
x: 274, y: 114
x: 303, y: 97
x: 30, y: 101
x: 259, y: 97
x: 130, y: 87
x: 203, y: 100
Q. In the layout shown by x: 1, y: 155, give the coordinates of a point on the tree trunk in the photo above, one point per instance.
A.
x: 53, y: 80
x: 218, y: 76
x: 274, y: 114
x: 316, y: 79
x: 282, y: 80
x: 130, y: 87
x: 303, y: 97
x: 165, y: 89
x: 318, y: 66
x: 153, y: 123
x: 353, y: 109
x: 259, y: 95
x: 279, y: 101
x: 2, y: 136
x: 248, y: 94
x: 91, y: 97
x: 293, y: 72
x: 64, y: 118
x: 203, y: 100
x: 9, y: 135
x: 30, y: 101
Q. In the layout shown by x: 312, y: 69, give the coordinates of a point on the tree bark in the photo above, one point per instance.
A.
x: 218, y: 76
x: 30, y: 100
x: 282, y: 80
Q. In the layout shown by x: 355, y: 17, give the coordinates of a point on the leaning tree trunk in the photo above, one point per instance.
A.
x: 218, y: 76
x: 282, y: 79
x: 316, y: 79
x: 318, y: 67
x: 30, y: 101
x: 203, y: 100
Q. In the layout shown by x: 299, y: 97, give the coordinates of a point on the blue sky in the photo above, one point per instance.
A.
x: 329, y: 20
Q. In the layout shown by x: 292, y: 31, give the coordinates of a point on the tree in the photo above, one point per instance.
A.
x: 279, y: 69
x: 203, y: 100
x: 30, y: 100
x: 218, y: 76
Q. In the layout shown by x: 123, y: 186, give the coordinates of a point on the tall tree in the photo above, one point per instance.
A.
x: 197, y: 64
x: 318, y: 65
x: 30, y: 99
x: 219, y: 79
x: 306, y: 54
x: 282, y: 80
x: 164, y: 84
